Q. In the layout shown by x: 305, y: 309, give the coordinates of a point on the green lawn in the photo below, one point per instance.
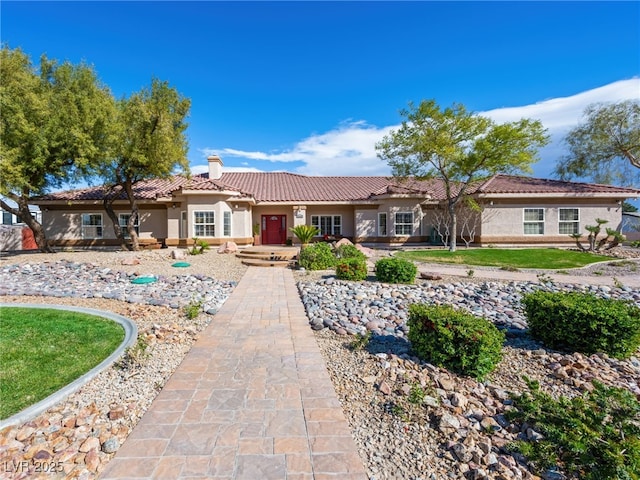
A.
x: 41, y: 350
x: 549, y: 258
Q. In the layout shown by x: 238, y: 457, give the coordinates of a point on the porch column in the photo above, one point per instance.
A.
x: 299, y: 215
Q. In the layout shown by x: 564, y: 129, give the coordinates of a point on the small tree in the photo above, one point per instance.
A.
x: 606, y: 147
x: 459, y: 148
x: 611, y: 240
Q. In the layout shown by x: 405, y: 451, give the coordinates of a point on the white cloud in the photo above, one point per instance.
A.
x: 349, y: 149
x: 559, y: 115
x: 198, y: 169
x: 565, y: 112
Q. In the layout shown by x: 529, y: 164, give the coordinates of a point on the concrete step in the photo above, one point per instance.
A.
x: 259, y: 262
x: 266, y: 255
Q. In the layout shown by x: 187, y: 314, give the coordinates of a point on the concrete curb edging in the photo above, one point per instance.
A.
x: 130, y: 336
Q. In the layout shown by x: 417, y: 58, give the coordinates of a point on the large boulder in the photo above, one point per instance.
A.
x: 343, y: 241
x: 228, y: 247
x: 178, y: 254
x: 368, y: 252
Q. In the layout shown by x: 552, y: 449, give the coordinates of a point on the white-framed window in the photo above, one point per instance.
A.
x: 327, y: 224
x: 91, y: 225
x: 7, y: 218
x: 404, y: 223
x: 226, y: 224
x: 123, y: 220
x: 568, y: 221
x: 533, y: 221
x: 382, y: 224
x: 204, y: 223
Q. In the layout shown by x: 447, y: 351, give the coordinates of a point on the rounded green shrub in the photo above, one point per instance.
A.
x: 349, y: 251
x: 396, y: 270
x: 317, y: 256
x: 582, y: 322
x: 354, y: 269
x: 454, y: 339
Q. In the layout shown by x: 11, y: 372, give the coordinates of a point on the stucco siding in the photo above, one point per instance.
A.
x: 507, y: 220
x: 66, y: 224
x: 366, y: 222
x: 346, y: 213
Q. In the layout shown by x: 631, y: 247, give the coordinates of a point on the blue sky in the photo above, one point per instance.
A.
x: 309, y: 87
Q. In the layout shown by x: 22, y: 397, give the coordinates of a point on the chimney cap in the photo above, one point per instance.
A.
x: 214, y: 158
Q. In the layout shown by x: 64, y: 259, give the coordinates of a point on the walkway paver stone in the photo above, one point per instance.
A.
x: 251, y: 400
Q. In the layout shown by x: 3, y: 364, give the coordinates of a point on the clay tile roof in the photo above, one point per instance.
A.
x: 529, y: 185
x: 147, y: 190
x: 291, y: 187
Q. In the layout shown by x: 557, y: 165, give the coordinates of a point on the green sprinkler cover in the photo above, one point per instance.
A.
x: 144, y: 280
x: 181, y: 264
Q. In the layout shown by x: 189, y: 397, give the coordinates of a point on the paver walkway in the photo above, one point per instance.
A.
x: 251, y: 400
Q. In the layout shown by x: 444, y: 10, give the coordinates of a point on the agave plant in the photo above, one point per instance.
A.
x: 305, y: 232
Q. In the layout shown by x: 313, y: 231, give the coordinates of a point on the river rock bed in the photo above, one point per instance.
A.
x: 355, y: 308
x: 412, y: 420
x: 66, y: 279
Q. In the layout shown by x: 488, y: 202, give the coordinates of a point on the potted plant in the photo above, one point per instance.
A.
x: 305, y: 233
x: 256, y: 234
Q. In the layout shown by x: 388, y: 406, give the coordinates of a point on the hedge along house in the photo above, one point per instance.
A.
x: 219, y: 207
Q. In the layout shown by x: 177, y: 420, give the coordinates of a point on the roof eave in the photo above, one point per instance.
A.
x: 316, y: 202
x: 560, y: 195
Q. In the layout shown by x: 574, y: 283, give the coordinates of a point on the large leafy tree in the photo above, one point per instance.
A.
x: 149, y: 142
x: 459, y: 148
x: 53, y: 128
x: 606, y: 146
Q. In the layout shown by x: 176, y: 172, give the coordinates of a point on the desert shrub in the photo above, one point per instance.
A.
x: 192, y: 310
x: 581, y: 322
x: 595, y: 436
x: 351, y: 269
x: 199, y: 247
x: 305, y: 233
x: 349, y: 251
x: 454, y: 339
x: 317, y: 256
x: 396, y: 270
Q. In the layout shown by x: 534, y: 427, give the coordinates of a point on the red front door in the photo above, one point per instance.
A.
x: 274, y: 229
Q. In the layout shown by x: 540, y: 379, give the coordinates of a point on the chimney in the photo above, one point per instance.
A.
x: 215, y: 167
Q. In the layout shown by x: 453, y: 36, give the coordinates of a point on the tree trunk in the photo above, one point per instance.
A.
x: 454, y: 226
x: 128, y: 188
x: 25, y: 215
x: 117, y: 230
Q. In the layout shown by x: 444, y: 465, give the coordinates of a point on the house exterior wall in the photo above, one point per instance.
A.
x: 63, y: 224
x: 240, y: 232
x: 366, y: 222
x: 436, y: 217
x: 346, y: 213
x: 368, y: 225
x: 503, y: 222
